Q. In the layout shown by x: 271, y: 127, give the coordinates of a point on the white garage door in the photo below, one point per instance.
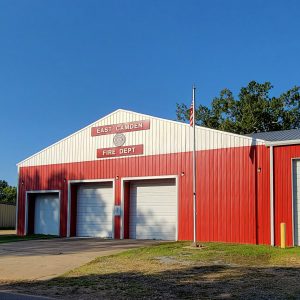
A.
x: 296, y: 198
x: 95, y: 203
x: 46, y: 214
x: 153, y: 209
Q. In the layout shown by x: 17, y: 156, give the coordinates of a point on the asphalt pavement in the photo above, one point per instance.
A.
x: 7, y: 295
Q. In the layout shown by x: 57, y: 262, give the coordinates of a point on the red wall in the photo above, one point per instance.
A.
x: 126, y: 209
x: 233, y: 198
x: 283, y: 189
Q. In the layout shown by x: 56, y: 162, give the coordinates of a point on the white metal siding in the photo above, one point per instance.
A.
x: 153, y: 209
x: 296, y: 197
x: 95, y: 203
x: 46, y: 214
x: 163, y: 137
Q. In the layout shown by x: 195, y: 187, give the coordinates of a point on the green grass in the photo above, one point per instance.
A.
x: 14, y: 238
x: 228, y: 253
x: 166, y: 256
x: 175, y: 270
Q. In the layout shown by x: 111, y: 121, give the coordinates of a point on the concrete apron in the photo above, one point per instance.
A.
x: 46, y: 259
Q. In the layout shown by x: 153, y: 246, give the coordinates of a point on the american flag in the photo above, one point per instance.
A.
x: 192, y: 114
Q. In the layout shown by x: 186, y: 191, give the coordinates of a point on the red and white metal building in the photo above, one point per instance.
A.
x: 129, y: 175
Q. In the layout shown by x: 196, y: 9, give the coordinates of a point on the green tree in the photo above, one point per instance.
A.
x: 8, y: 194
x: 253, y: 111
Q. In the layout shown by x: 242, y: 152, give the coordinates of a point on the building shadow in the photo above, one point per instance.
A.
x: 214, y: 281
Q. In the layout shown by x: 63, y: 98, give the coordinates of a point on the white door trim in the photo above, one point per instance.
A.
x: 89, y: 181
x: 125, y: 179
x: 40, y: 192
x: 293, y: 198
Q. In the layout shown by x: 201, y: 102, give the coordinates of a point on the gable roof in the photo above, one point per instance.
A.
x: 106, y: 120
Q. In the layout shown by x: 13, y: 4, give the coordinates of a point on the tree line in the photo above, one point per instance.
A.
x: 8, y: 194
x: 253, y: 110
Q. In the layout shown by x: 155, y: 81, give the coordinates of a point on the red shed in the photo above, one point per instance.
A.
x: 129, y: 175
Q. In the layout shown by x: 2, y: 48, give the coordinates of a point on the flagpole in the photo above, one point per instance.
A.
x: 194, y: 169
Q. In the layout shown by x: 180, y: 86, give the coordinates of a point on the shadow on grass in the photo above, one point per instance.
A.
x: 198, y: 282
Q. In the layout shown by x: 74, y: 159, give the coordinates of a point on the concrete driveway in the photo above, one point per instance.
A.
x: 45, y: 259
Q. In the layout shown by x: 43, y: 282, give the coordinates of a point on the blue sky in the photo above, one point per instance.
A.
x: 65, y: 64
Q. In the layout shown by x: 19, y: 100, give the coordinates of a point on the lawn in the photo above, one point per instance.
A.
x: 14, y: 238
x: 176, y: 271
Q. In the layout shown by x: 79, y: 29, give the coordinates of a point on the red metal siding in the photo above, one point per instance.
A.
x: 263, y: 197
x: 73, y: 218
x: 126, y: 209
x: 233, y: 199
x: 31, y: 211
x: 283, y: 189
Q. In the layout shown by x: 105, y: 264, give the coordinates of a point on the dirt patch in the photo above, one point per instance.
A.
x: 171, y: 260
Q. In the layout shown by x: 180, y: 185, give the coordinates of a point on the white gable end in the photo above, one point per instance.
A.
x: 162, y: 137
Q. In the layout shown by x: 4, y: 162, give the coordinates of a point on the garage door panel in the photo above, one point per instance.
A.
x: 156, y: 228
x: 99, y: 197
x: 100, y: 218
x: 157, y: 204
x: 46, y: 215
x: 90, y: 212
x: 153, y: 209
x: 159, y: 219
x: 95, y: 204
x: 91, y: 198
x: 150, y: 232
x: 94, y: 209
x: 154, y: 197
x: 100, y: 222
x: 94, y: 233
x: 95, y: 188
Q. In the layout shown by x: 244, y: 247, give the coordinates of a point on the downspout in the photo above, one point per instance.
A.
x: 272, y: 195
